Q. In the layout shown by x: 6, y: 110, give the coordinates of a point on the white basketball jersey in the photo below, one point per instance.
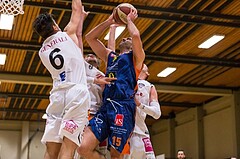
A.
x: 94, y: 89
x: 63, y: 59
x: 143, y: 95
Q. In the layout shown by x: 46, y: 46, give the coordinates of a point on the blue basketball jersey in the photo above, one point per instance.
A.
x: 122, y: 68
x: 116, y: 118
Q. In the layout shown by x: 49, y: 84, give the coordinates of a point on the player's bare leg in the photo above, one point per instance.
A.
x: 115, y: 154
x: 88, y: 145
x: 67, y: 149
x: 52, y: 150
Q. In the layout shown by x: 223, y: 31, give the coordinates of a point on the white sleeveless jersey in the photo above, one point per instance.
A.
x: 143, y: 95
x: 94, y: 89
x: 64, y: 60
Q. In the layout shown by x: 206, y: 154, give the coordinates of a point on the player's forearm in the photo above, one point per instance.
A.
x: 80, y: 27
x: 153, y: 109
x: 72, y: 26
x: 77, y: 5
x: 111, y: 40
x: 132, y: 29
x: 138, y: 52
x: 79, y: 34
x: 98, y: 30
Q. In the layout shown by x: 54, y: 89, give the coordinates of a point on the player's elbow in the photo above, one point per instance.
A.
x: 89, y: 37
x: 157, y: 114
x: 136, y: 34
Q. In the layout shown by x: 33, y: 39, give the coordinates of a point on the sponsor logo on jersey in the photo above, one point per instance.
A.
x: 111, y: 75
x: 139, y: 94
x: 114, y: 56
x: 140, y: 85
x: 147, y: 144
x: 119, y: 119
x: 52, y: 43
x: 70, y: 126
x: 63, y: 76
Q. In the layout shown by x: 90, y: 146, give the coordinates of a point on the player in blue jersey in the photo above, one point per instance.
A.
x: 116, y: 118
x: 146, y: 99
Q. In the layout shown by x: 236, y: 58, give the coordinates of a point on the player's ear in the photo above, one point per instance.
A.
x: 55, y: 27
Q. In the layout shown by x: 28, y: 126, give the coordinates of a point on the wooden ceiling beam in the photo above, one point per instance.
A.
x: 153, y: 56
x: 161, y: 87
x: 193, y: 60
x: 26, y: 79
x: 22, y: 110
x: 188, y: 18
x: 147, y: 8
x: 5, y: 95
x: 21, y: 95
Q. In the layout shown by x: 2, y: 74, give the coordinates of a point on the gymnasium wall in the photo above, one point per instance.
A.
x: 208, y: 132
x: 11, y: 146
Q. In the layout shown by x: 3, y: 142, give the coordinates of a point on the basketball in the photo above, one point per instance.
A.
x: 121, y: 11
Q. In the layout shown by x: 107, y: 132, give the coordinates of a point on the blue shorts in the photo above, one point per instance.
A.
x: 115, y: 120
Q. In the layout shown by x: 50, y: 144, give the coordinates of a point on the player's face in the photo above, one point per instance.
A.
x: 92, y: 60
x: 55, y: 26
x: 180, y: 155
x: 144, y: 73
x: 127, y: 39
x: 126, y: 44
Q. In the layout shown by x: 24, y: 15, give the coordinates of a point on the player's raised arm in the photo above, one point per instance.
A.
x: 80, y: 27
x: 92, y: 38
x: 111, y: 39
x: 138, y: 52
x: 72, y: 26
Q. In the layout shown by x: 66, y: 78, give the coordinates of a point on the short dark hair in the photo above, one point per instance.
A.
x: 43, y: 25
x: 180, y: 150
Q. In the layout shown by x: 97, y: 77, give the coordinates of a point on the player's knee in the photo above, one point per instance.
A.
x: 83, y: 151
x: 115, y: 156
x: 114, y: 153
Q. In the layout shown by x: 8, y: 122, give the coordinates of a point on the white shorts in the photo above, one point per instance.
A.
x: 140, y: 148
x: 67, y: 114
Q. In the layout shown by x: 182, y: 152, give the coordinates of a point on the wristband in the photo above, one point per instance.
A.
x: 90, y: 80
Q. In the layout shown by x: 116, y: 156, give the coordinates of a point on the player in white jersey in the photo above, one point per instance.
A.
x: 96, y: 91
x: 69, y: 97
x: 146, y: 99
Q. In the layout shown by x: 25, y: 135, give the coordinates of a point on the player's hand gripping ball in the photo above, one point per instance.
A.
x: 121, y: 12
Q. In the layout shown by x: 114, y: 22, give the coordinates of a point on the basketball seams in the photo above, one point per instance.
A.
x: 122, y: 15
x: 121, y: 11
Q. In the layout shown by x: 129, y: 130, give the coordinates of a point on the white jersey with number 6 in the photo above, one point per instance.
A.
x: 69, y: 99
x: 63, y: 59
